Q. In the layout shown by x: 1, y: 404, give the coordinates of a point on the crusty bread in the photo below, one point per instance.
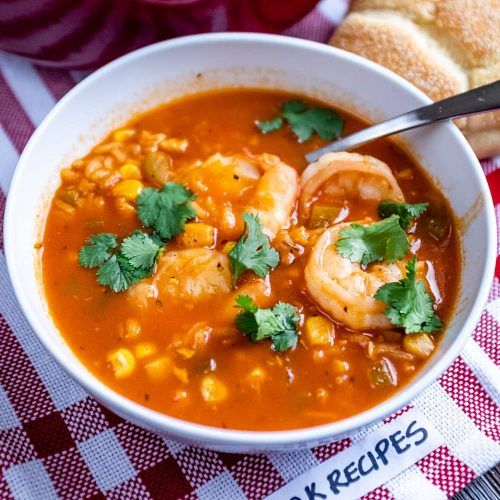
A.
x: 442, y: 46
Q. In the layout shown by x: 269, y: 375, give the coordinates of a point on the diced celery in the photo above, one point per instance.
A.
x: 323, y: 216
x: 382, y: 374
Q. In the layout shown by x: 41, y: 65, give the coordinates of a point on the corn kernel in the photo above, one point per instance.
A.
x: 158, y: 369
x: 340, y: 366
x: 69, y: 175
x: 85, y: 186
x: 258, y: 373
x: 132, y: 328
x: 319, y: 331
x: 122, y: 362
x: 213, y: 390
x: 174, y: 145
x: 145, y: 349
x: 129, y: 189
x: 419, y: 344
x: 256, y: 377
x: 64, y: 207
x: 123, y: 135
x: 228, y: 246
x: 181, y: 374
x: 198, y: 234
x: 130, y: 171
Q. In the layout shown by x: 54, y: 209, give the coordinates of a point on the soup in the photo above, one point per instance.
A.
x: 197, y: 265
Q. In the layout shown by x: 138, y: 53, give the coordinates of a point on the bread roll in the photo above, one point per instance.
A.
x: 442, y: 46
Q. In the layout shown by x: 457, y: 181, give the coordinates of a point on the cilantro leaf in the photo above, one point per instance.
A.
x: 270, y: 125
x: 294, y: 106
x: 245, y: 320
x: 119, y: 274
x: 384, y: 240
x: 166, y: 211
x: 285, y: 340
x: 304, y: 122
x: 140, y: 250
x: 289, y: 318
x: 409, y: 304
x: 246, y: 303
x: 97, y: 251
x: 109, y: 274
x: 278, y: 323
x: 258, y: 323
x: 287, y: 314
x: 252, y: 251
x: 406, y: 211
x: 132, y: 274
x: 133, y: 260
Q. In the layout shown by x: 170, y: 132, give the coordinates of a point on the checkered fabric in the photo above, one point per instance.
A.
x: 58, y: 442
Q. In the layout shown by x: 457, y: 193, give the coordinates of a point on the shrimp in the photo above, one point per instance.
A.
x: 344, y: 289
x: 276, y: 194
x: 194, y: 274
x: 228, y: 186
x: 348, y: 175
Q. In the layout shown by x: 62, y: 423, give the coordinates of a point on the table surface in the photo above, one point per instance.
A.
x: 485, y: 487
x: 38, y: 88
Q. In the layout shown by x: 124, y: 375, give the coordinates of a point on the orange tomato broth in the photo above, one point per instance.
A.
x: 303, y: 387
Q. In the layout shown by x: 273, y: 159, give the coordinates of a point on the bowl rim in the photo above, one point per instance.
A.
x: 248, y: 439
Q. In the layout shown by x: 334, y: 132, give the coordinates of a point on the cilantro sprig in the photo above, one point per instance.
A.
x: 409, y: 306
x: 141, y: 249
x: 252, y: 251
x: 305, y: 121
x: 166, y: 211
x: 383, y: 240
x: 407, y: 212
x: 278, y: 323
x: 98, y: 250
x: 120, y: 266
x: 270, y: 126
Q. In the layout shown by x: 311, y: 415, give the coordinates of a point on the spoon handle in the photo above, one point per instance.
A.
x: 478, y: 100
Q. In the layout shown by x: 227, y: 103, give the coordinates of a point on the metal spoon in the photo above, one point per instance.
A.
x: 478, y: 100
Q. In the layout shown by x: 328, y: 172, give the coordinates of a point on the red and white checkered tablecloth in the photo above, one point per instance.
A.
x: 58, y: 442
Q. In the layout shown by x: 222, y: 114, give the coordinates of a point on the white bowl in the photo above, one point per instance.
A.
x: 160, y: 72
